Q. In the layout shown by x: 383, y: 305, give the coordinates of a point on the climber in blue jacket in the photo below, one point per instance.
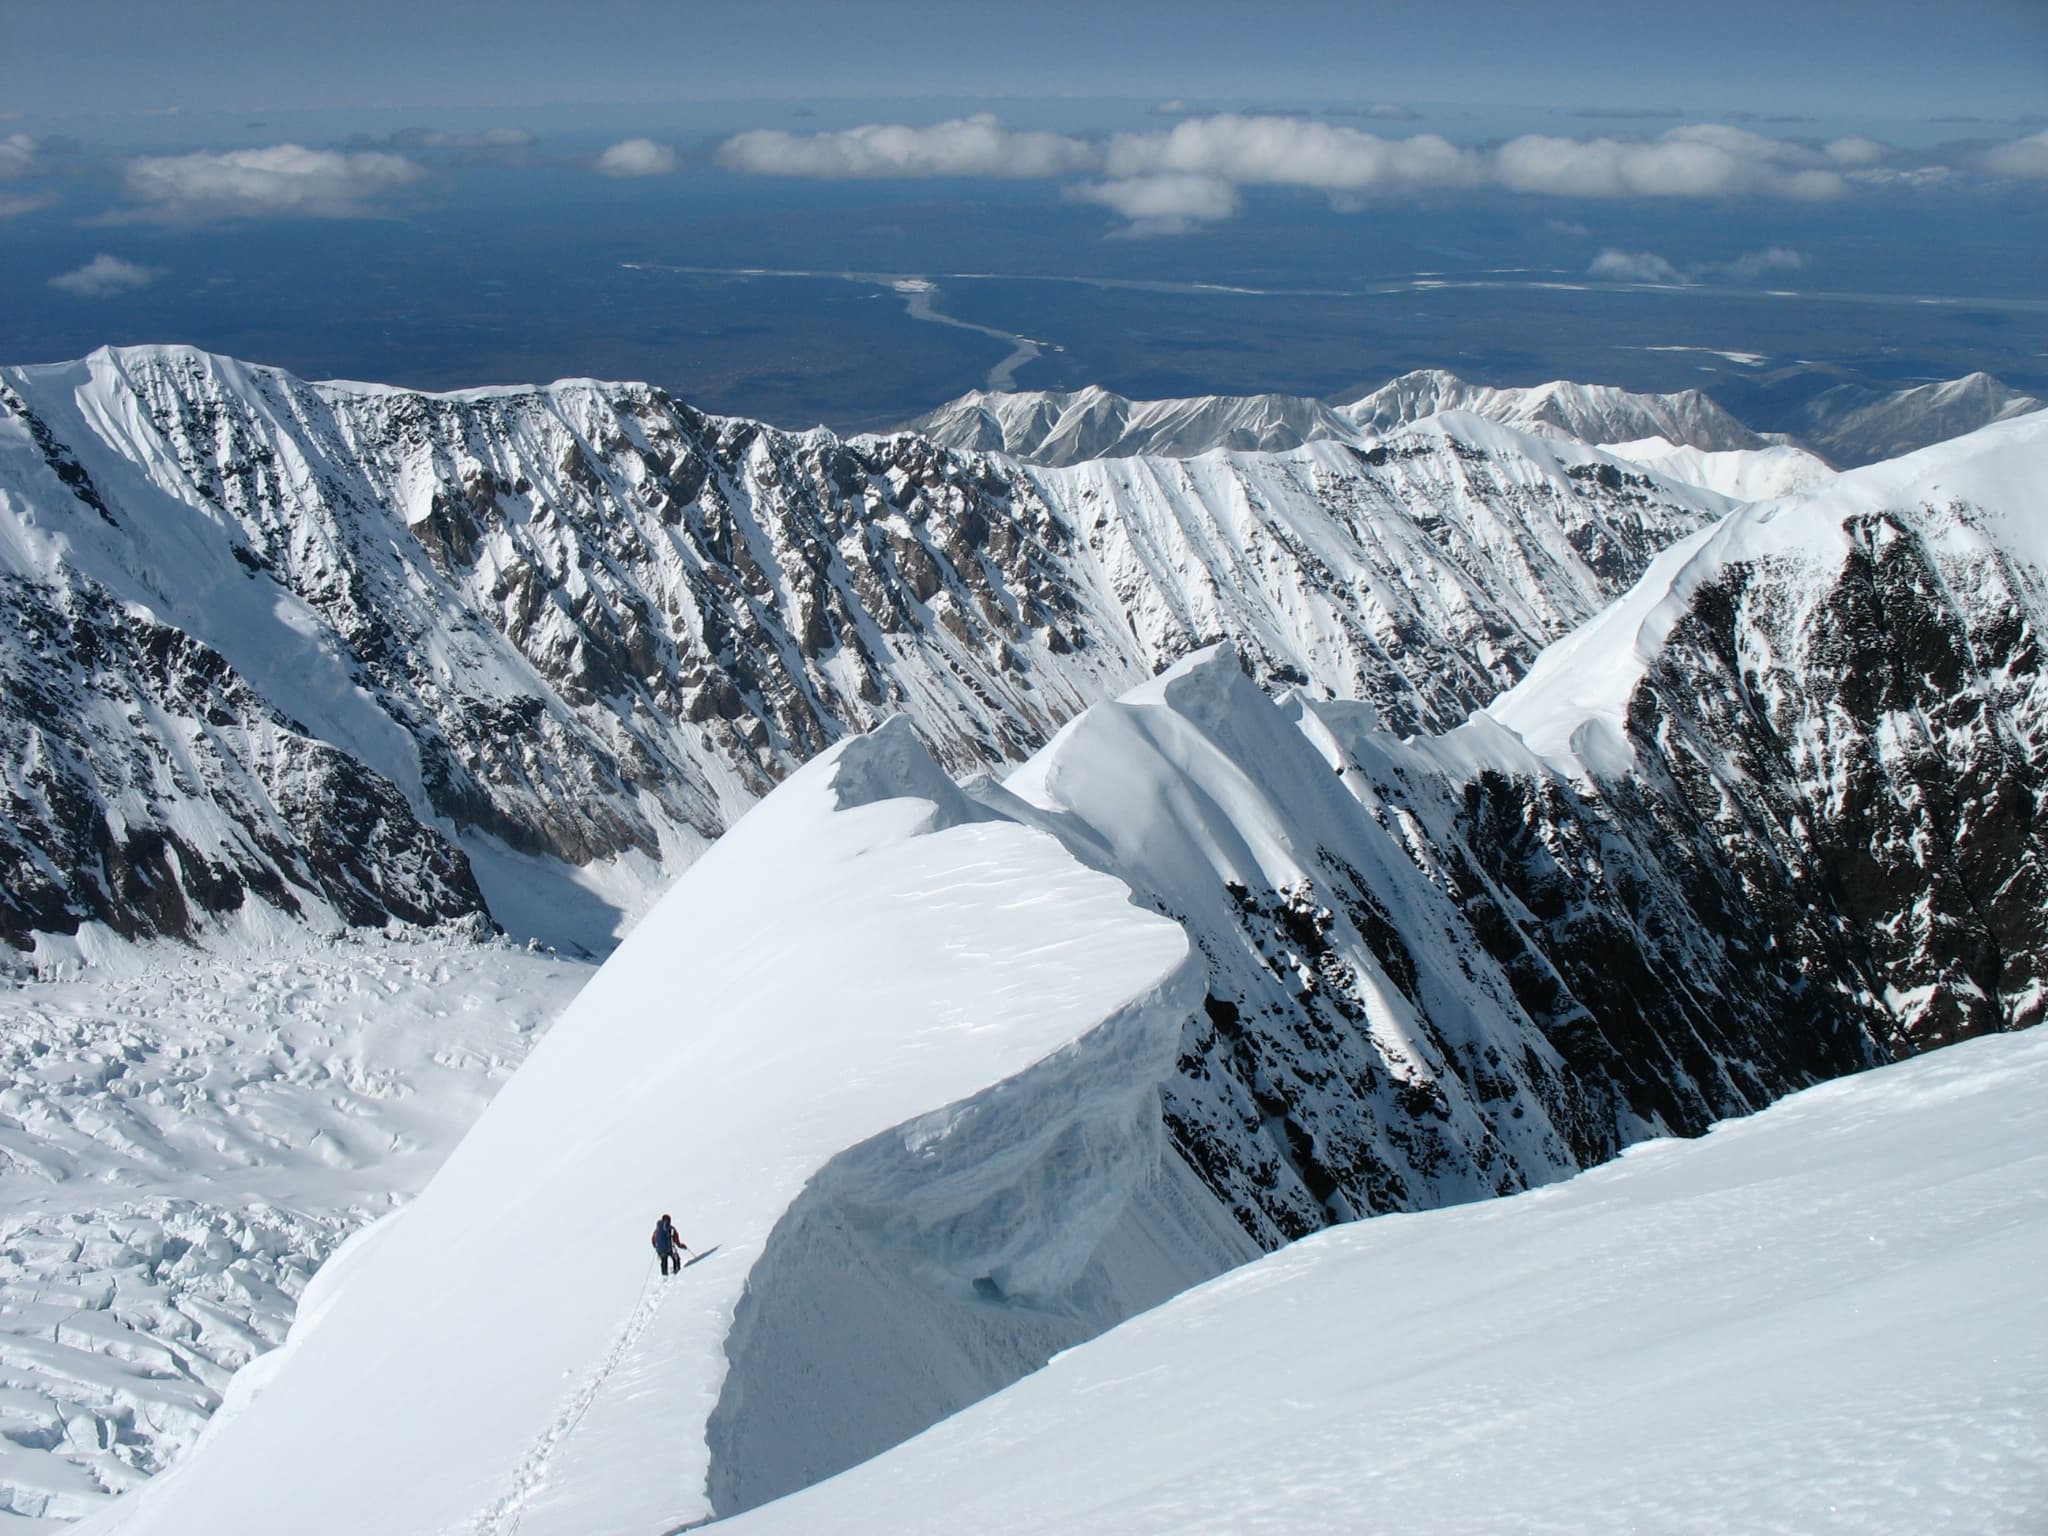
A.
x: 668, y: 1246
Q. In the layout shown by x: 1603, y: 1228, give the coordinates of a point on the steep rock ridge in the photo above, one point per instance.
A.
x: 1592, y: 413
x: 1055, y: 428
x: 1358, y: 1050
x: 1849, y: 688
x: 1854, y: 424
x: 582, y: 627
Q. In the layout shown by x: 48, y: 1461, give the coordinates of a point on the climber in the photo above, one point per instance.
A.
x: 669, y: 1246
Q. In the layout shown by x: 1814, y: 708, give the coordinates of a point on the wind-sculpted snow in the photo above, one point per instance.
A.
x: 1824, y: 1319
x: 889, y: 1060
x: 351, y: 654
x: 1358, y: 1050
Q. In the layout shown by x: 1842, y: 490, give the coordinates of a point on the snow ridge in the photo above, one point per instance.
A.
x: 993, y: 1012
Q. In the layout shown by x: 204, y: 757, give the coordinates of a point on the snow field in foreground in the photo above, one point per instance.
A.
x: 184, y: 1138
x: 1826, y: 1317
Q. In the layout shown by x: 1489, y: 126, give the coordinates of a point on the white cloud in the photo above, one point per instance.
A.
x: 1775, y: 258
x: 282, y: 179
x: 13, y: 205
x: 1170, y: 204
x: 1635, y: 267
x: 1648, y: 267
x: 435, y: 138
x: 963, y: 146
x: 1858, y: 151
x: 1698, y: 160
x: 17, y: 156
x: 104, y: 276
x: 638, y: 157
x: 1193, y: 170
x: 1292, y: 151
x: 2022, y: 157
x: 1392, y: 112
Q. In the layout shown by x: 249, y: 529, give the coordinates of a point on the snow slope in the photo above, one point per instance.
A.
x: 874, y: 1043
x: 1825, y: 1318
x: 1740, y: 474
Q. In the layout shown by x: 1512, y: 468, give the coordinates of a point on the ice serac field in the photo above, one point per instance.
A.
x: 1824, y: 1318
x: 875, y: 1045
x: 184, y: 1138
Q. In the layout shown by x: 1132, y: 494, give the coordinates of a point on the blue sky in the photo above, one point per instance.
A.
x: 1832, y: 58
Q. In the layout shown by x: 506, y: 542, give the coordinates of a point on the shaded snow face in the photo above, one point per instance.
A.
x: 349, y: 655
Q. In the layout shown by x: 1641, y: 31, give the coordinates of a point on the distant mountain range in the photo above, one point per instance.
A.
x: 1846, y: 424
x: 351, y: 654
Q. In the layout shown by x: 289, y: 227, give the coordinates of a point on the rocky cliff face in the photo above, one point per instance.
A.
x: 1774, y: 817
x: 506, y: 634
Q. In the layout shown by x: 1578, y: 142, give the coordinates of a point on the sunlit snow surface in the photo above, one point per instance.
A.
x: 1827, y: 1317
x: 184, y: 1137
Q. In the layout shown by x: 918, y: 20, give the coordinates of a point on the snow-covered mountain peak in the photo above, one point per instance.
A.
x: 1981, y: 490
x: 1741, y: 474
x: 1592, y: 413
x: 1055, y: 428
x: 1856, y: 424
